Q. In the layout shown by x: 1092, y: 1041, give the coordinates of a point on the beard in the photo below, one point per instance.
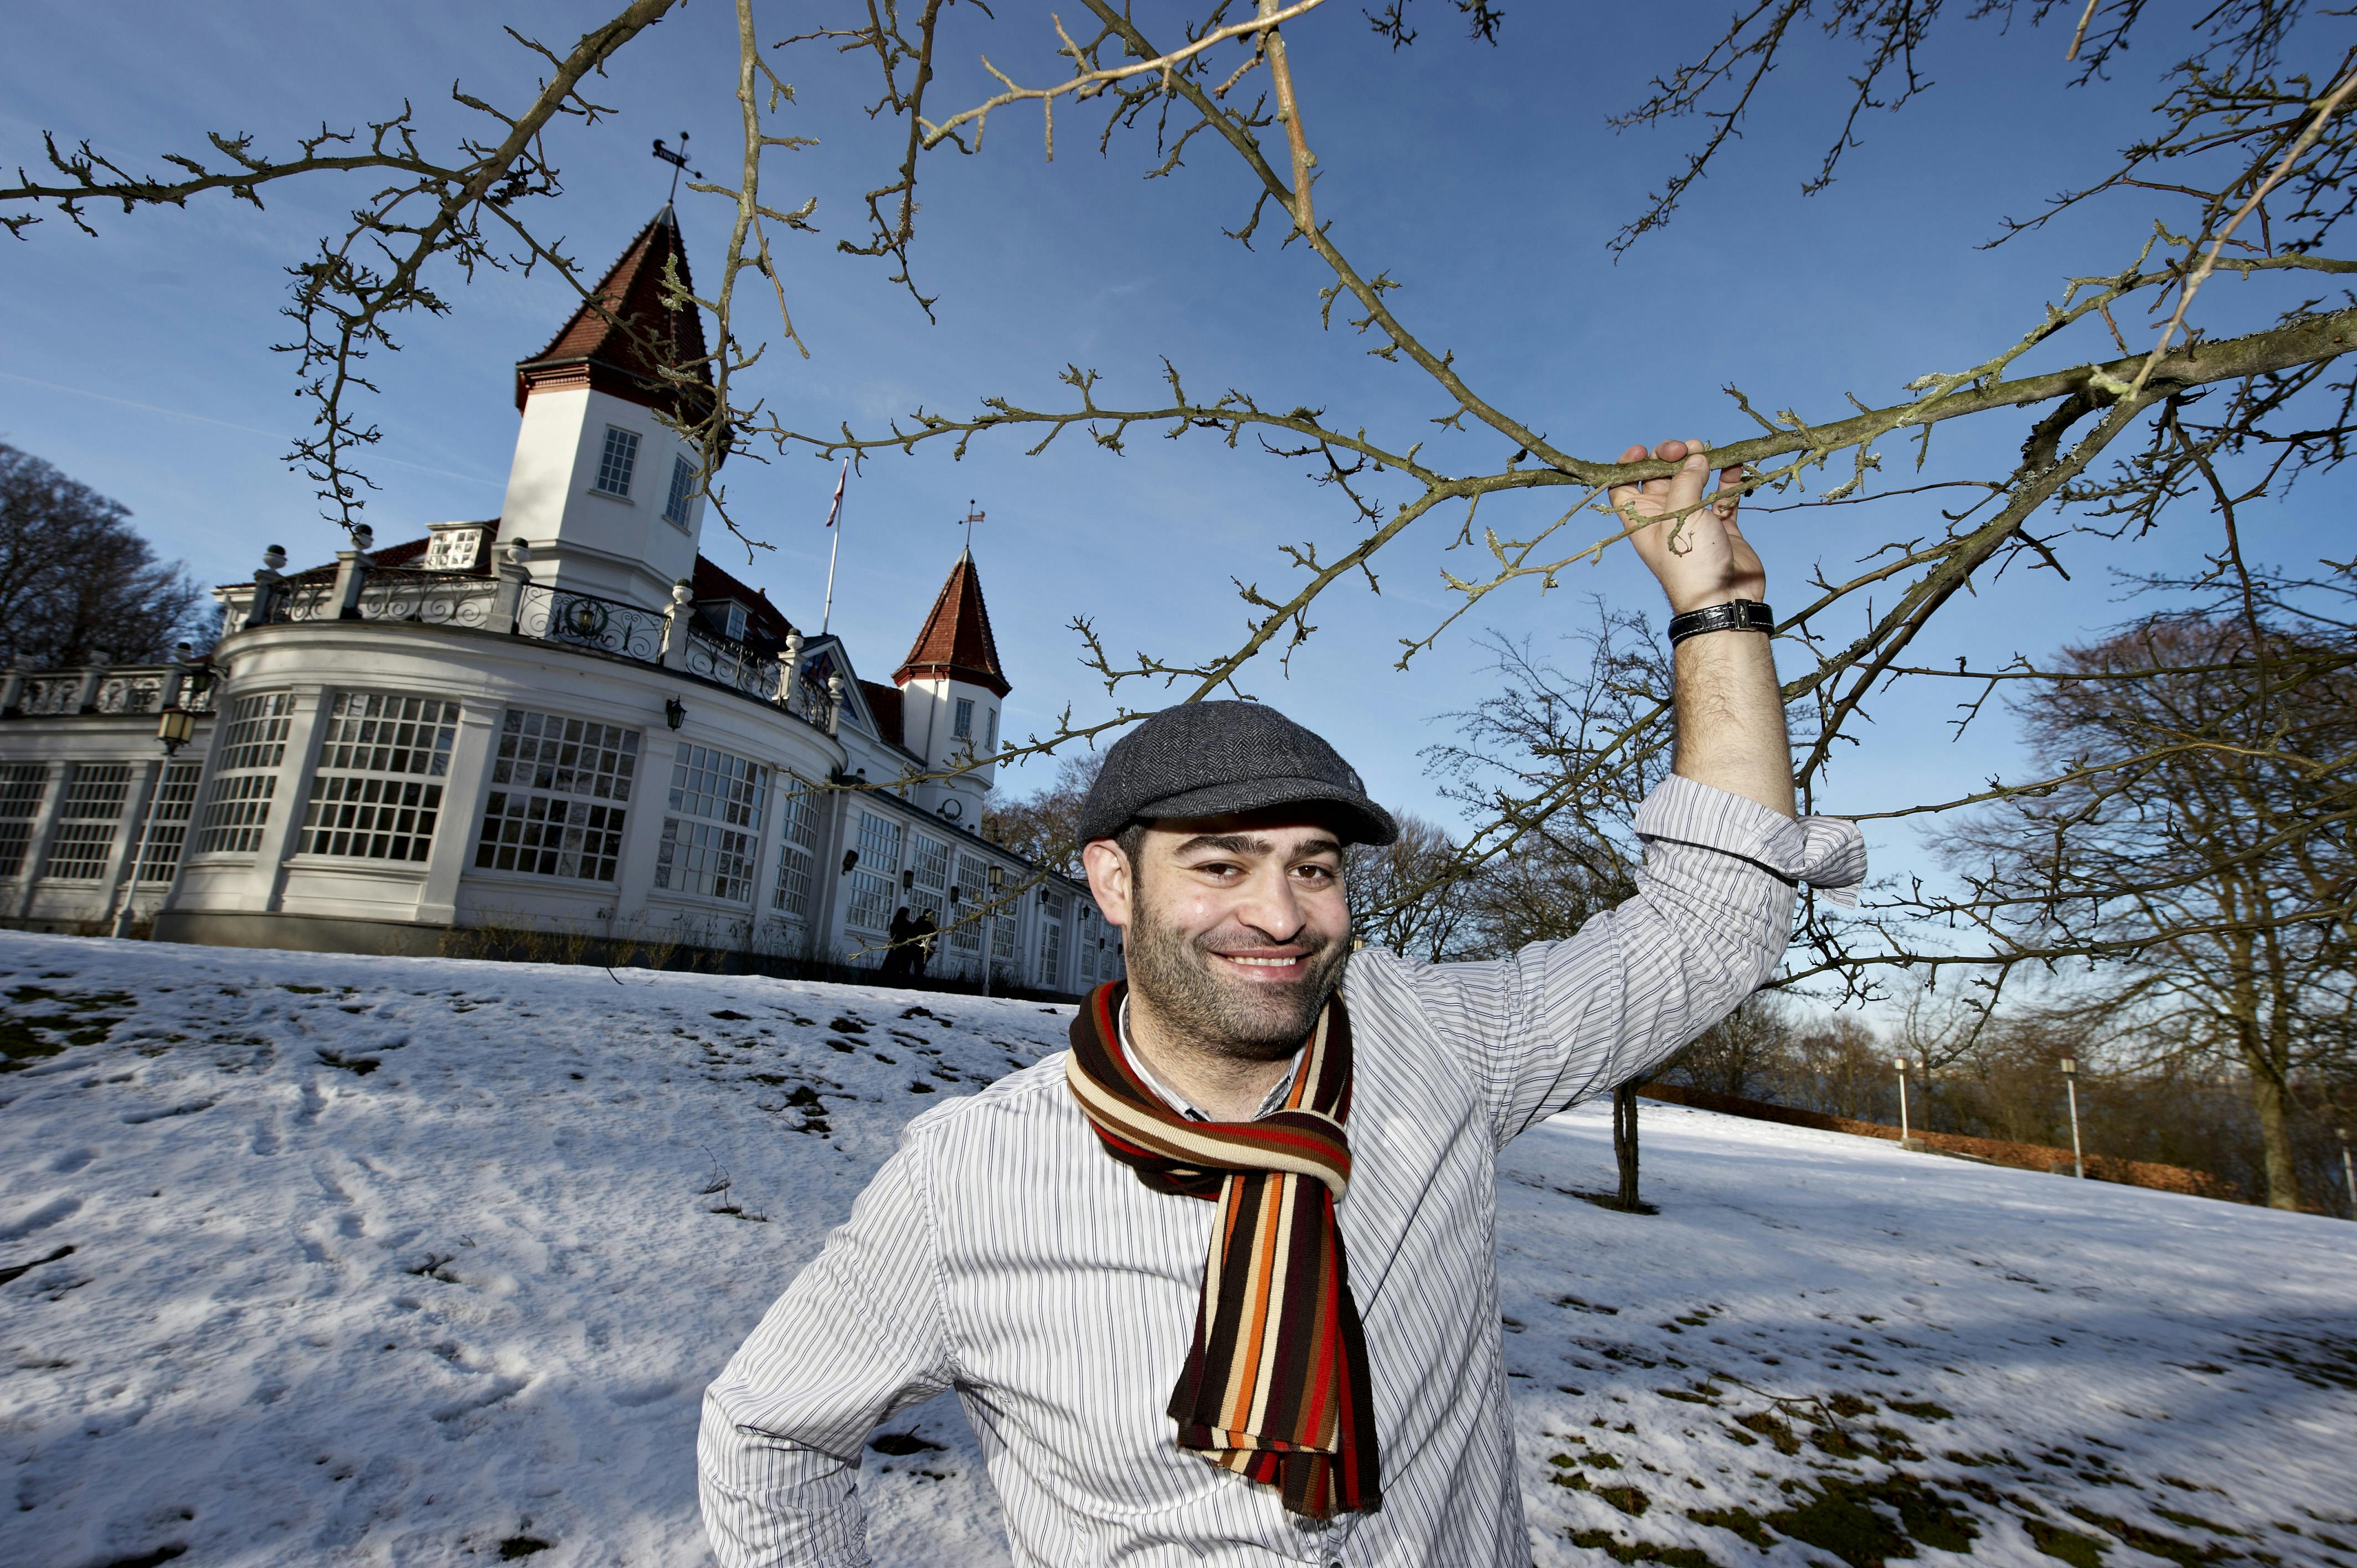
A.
x: 1178, y: 977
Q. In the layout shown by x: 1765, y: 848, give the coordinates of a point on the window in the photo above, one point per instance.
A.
x: 878, y: 876
x: 556, y: 805
x: 86, y: 820
x: 712, y: 842
x: 176, y: 799
x: 974, y: 892
x: 930, y: 860
x: 1052, y: 937
x: 621, y: 456
x: 378, y: 791
x: 454, y: 549
x: 246, y: 775
x: 682, y: 486
x: 22, y: 785
x: 990, y: 741
x: 964, y: 728
x: 798, y: 828
x: 732, y: 621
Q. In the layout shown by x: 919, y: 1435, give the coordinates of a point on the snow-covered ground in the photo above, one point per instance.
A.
x: 316, y: 1259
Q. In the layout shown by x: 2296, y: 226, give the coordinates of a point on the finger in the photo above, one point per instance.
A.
x: 1622, y: 495
x: 1684, y: 487
x: 1730, y: 492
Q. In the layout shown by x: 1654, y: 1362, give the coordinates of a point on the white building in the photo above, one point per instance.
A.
x: 556, y: 730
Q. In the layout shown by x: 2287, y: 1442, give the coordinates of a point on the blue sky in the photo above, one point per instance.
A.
x: 1485, y: 181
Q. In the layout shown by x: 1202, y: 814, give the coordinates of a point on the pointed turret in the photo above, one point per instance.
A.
x: 955, y: 643
x: 951, y: 687
x: 602, y: 489
x: 622, y: 338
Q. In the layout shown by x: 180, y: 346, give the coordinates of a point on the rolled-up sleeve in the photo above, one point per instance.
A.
x: 1558, y: 1022
x: 856, y: 1336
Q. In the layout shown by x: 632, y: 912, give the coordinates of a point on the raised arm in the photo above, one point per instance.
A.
x: 853, y: 1339
x: 1730, y: 715
x: 1724, y: 854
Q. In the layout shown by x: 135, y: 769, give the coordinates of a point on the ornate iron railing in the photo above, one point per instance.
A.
x: 432, y: 598
x: 130, y: 693
x: 732, y: 663
x: 302, y: 601
x: 586, y: 620
x: 46, y: 694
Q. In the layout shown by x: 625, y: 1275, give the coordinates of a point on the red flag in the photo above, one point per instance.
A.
x: 834, y: 511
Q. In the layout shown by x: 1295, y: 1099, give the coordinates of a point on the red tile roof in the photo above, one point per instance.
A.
x: 884, y: 702
x: 622, y: 338
x: 765, y: 622
x: 957, y: 642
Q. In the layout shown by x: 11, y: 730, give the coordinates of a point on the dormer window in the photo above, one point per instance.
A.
x: 621, y: 459
x: 732, y: 620
x: 682, y: 486
x: 963, y: 727
x: 453, y: 549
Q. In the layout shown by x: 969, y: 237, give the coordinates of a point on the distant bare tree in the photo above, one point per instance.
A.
x: 78, y: 586
x: 1412, y: 896
x: 1044, y: 826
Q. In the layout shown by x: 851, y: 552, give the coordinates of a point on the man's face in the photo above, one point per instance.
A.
x: 1237, y: 930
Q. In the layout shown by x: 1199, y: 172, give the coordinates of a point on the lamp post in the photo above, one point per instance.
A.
x: 2071, y: 1083
x: 173, y: 727
x: 1906, y: 1136
x: 2348, y: 1169
x: 990, y: 923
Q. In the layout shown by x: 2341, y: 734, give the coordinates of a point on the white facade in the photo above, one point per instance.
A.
x: 560, y: 731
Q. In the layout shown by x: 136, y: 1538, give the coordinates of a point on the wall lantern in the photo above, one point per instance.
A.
x: 907, y: 880
x: 174, y: 727
x: 998, y: 880
x: 674, y: 711
x: 953, y: 892
x: 850, y: 859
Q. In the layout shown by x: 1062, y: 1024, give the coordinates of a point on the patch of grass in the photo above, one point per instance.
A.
x: 1848, y: 1405
x: 1737, y: 1522
x: 2165, y: 1547
x: 1847, y: 1519
x: 2067, y: 1545
x: 1621, y: 1551
x: 846, y: 1025
x: 1922, y: 1410
x: 516, y: 1546
x: 1631, y: 1501
x: 305, y: 990
x: 2194, y: 1521
x: 358, y: 1066
x: 903, y: 1443
x: 1772, y: 1427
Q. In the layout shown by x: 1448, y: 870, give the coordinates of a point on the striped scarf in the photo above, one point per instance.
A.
x: 1276, y: 1385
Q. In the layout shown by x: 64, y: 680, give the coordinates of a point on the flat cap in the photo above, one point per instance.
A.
x: 1209, y: 759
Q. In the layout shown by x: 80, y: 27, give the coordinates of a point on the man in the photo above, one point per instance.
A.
x: 1219, y: 1285
x: 899, y: 958
x: 921, y: 932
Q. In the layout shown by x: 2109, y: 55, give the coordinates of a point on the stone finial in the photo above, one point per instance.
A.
x: 363, y: 538
x: 519, y: 552
x: 274, y: 558
x: 682, y: 592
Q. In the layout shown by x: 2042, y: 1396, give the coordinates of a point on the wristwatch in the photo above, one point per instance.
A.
x: 1736, y: 615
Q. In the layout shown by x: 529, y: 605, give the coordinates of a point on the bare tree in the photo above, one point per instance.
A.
x: 1411, y: 895
x: 2244, y: 167
x: 1044, y: 827
x: 2199, y: 840
x: 77, y: 583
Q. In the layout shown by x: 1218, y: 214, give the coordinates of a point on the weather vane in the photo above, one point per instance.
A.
x: 973, y: 516
x: 678, y: 161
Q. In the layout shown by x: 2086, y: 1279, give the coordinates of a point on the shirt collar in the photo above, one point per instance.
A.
x: 1171, y: 1097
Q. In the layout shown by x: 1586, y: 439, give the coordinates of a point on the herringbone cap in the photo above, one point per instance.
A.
x: 1210, y: 760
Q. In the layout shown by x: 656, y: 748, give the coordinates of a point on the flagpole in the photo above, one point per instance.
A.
x: 834, y: 516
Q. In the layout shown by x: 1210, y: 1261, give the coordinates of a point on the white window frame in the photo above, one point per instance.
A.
x: 376, y: 790
x: 23, y: 787
x: 962, y: 726
x: 245, y: 774
x: 797, y: 849
x: 88, y: 817
x: 711, y: 842
x: 559, y: 797
x: 682, y: 486
x: 876, y: 880
x: 617, y: 463
x: 171, y: 816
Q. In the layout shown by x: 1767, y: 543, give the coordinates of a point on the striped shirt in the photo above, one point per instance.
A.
x: 1002, y: 1253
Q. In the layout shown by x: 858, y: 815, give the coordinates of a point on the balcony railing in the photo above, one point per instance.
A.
x: 587, y: 620
x: 732, y: 663
x: 429, y: 598
x: 507, y: 603
x: 118, y: 691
